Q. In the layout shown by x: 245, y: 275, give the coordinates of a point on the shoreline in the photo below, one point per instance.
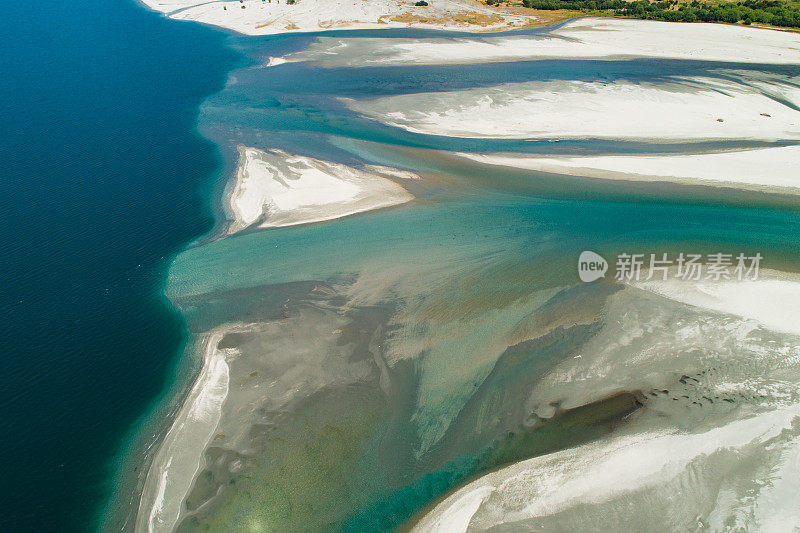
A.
x: 143, y: 442
x: 201, y: 412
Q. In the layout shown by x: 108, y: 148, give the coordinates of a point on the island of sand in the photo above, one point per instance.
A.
x: 274, y: 189
x: 737, y: 127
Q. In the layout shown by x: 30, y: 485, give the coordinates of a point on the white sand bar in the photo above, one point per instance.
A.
x: 682, y: 108
x: 772, y: 300
x: 589, y: 38
x: 770, y: 169
x: 180, y: 456
x: 618, y: 481
x: 265, y: 17
x: 275, y: 189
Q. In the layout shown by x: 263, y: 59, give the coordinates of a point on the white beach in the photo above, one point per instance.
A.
x: 179, y: 456
x: 276, y: 189
x: 608, y: 475
x: 266, y: 17
x: 769, y: 169
x: 677, y: 109
x: 588, y: 38
x: 773, y: 300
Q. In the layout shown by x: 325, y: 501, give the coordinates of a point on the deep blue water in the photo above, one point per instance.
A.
x: 104, y: 178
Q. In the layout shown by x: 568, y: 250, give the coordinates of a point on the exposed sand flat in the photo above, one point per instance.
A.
x: 682, y: 108
x: 179, y: 457
x: 776, y: 507
x: 716, y: 471
x: 773, y: 300
x: 641, y: 474
x: 274, y: 189
x: 265, y: 17
x: 590, y: 38
x: 761, y: 169
x: 659, y: 329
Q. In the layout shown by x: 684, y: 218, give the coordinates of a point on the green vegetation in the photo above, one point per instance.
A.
x: 774, y: 12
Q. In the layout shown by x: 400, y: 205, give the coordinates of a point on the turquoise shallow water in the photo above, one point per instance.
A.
x: 493, y: 225
x: 465, y: 263
x: 495, y: 248
x: 519, y: 213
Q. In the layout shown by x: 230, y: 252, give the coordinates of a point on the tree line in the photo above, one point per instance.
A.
x: 774, y: 12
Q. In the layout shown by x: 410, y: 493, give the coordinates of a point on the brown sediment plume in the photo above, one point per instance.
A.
x: 566, y: 428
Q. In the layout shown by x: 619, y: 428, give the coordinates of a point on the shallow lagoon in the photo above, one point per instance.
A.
x: 381, y: 360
